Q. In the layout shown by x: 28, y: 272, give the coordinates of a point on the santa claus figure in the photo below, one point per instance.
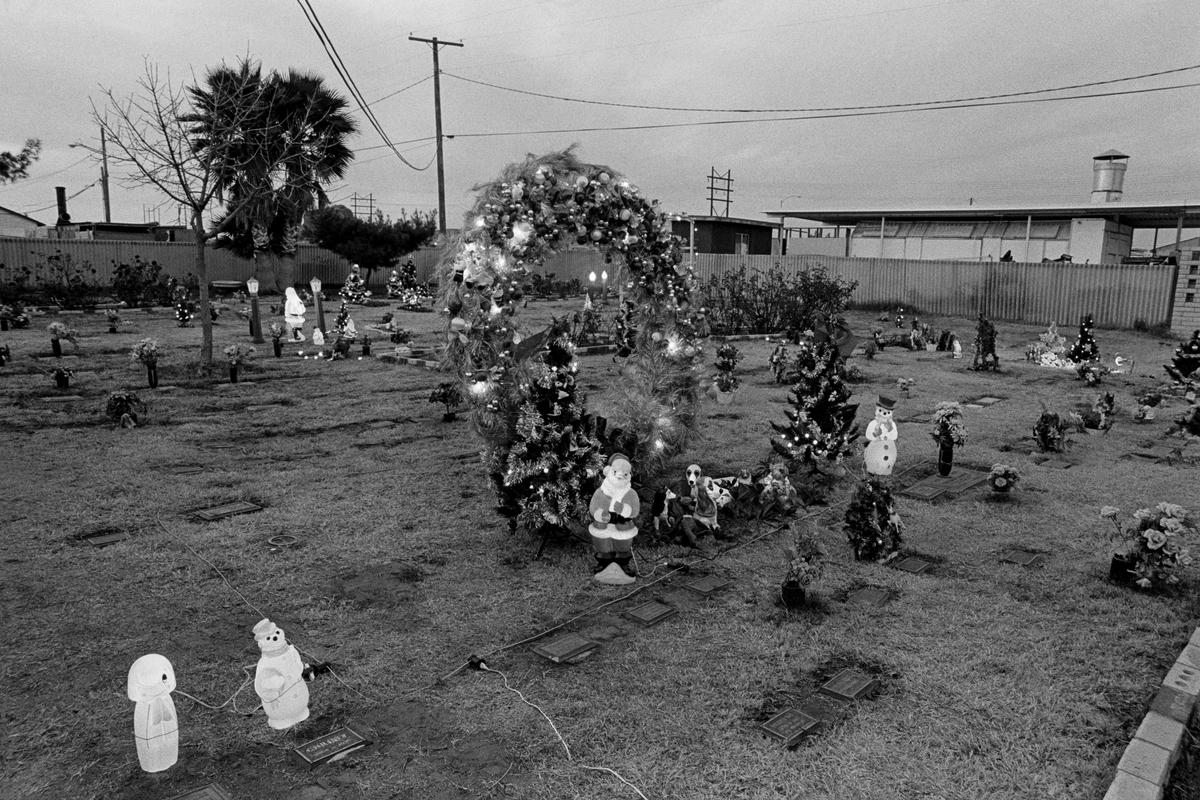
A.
x: 613, y: 510
x: 293, y: 314
x: 881, y: 434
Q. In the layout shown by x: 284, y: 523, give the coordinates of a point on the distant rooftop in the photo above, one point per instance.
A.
x: 1138, y: 215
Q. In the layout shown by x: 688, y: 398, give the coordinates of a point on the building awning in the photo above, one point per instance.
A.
x: 1137, y: 215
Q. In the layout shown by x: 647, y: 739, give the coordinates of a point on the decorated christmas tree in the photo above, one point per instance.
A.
x: 1085, y: 348
x: 872, y: 523
x: 547, y: 473
x: 821, y: 422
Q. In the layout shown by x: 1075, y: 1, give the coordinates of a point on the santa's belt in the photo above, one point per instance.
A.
x: 617, y: 519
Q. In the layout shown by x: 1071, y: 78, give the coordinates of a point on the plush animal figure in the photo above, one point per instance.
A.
x: 293, y: 314
x: 881, y: 434
x: 155, y: 725
x: 613, y: 508
x: 279, y: 678
x: 776, y: 492
x: 699, y: 508
x: 664, y: 510
x: 718, y: 493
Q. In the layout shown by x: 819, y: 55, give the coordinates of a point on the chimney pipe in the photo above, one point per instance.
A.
x: 1108, y: 176
x: 60, y: 194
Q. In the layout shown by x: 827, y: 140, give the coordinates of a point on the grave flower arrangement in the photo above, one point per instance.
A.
x: 727, y: 358
x: 805, y: 565
x: 275, y: 331
x: 62, y: 377
x: 1091, y: 372
x: 113, y: 317
x: 1154, y: 553
x: 123, y: 408
x: 1003, y: 478
x: 1146, y: 405
x: 949, y: 430
x: 238, y: 354
x: 1050, y: 432
x: 449, y: 395
x: 58, y: 331
x: 145, y: 353
x: 904, y: 386
x: 1100, y: 416
x: 872, y: 523
x: 13, y: 316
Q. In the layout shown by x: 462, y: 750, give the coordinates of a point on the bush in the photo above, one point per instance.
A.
x: 767, y: 302
x: 138, y: 284
x: 56, y: 280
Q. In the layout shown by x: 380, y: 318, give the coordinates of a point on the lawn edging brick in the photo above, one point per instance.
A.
x: 1147, y: 762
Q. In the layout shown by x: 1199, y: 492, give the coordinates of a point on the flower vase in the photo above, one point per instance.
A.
x: 277, y: 345
x: 1121, y: 569
x: 449, y: 416
x: 945, y: 457
x: 233, y: 373
x: 792, y: 593
x: 112, y: 328
x: 62, y: 381
x: 56, y: 348
x: 724, y: 398
x: 152, y: 374
x: 366, y: 348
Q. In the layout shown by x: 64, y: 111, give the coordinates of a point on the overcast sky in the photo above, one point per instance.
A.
x: 714, y: 54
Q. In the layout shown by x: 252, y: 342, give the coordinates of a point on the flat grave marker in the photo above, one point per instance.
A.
x: 185, y: 469
x: 917, y: 566
x: 103, y: 538
x: 1056, y: 462
x: 849, y: 684
x: 213, y: 791
x: 569, y: 647
x: 62, y: 398
x: 987, y: 400
x: 226, y: 510
x: 923, y: 491
x: 870, y: 596
x: 333, y: 746
x: 707, y: 585
x: 972, y: 405
x: 790, y: 726
x: 651, y: 613
x: 1023, y: 558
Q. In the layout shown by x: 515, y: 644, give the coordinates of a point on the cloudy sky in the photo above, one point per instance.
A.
x: 719, y: 55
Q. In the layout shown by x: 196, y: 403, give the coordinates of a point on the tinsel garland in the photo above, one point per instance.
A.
x: 532, y: 209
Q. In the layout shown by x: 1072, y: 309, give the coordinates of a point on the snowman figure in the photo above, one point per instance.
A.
x: 279, y: 678
x: 293, y: 314
x: 881, y: 434
x: 155, y: 725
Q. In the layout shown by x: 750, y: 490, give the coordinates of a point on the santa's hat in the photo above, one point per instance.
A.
x: 886, y: 403
x: 619, y: 457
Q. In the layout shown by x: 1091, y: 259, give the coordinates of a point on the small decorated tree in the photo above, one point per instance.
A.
x: 725, y: 381
x: 820, y: 424
x: 1085, y: 348
x: 949, y: 430
x: 985, y: 346
x: 872, y: 523
x: 185, y: 307
x: 354, y: 289
x: 779, y: 363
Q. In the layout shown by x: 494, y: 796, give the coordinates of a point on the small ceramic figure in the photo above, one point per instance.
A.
x: 279, y: 678
x: 613, y: 509
x: 699, y: 507
x: 881, y: 434
x: 318, y: 337
x: 293, y: 314
x: 155, y: 725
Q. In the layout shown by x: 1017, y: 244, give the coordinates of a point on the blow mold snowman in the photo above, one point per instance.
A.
x: 155, y: 724
x: 881, y: 434
x: 279, y: 678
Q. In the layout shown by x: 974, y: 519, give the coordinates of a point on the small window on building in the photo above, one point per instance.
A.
x: 1195, y: 255
x: 741, y: 244
x: 1190, y: 297
x: 1192, y: 283
x: 1193, y: 269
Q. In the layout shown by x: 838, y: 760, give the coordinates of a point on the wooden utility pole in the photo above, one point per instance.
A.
x: 435, y: 44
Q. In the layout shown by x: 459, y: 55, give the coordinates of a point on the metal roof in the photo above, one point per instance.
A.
x: 1137, y: 215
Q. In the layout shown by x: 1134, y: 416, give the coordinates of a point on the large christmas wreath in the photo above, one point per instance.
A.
x: 534, y: 208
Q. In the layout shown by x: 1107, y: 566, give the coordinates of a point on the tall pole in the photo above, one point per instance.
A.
x: 104, y: 174
x: 435, y: 44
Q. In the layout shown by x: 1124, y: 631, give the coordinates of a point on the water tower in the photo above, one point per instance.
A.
x: 1108, y: 176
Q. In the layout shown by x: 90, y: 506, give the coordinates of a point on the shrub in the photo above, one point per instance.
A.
x: 742, y: 301
x: 138, y: 284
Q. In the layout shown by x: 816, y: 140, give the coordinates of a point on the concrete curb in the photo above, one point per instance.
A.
x: 1146, y: 765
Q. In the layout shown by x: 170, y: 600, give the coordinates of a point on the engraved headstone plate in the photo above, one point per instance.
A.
x: 564, y: 648
x: 972, y: 405
x: 333, y: 746
x: 913, y: 564
x: 227, y: 510
x: 790, y: 726
x: 923, y: 491
x: 1057, y: 462
x: 706, y: 585
x: 1024, y: 558
x: 987, y: 400
x: 105, y: 538
x: 870, y: 596
x: 650, y: 613
x: 62, y: 398
x: 849, y: 684
x: 186, y: 469
x: 213, y: 791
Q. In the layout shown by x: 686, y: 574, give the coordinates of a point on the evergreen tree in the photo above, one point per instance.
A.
x: 1085, y: 348
x: 821, y: 422
x: 872, y: 524
x: 547, y: 474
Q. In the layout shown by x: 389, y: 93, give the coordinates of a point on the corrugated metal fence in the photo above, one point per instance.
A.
x: 1117, y: 294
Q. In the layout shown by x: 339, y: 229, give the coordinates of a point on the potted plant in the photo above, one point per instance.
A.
x: 805, y: 563
x: 237, y: 354
x: 123, y: 408
x: 1003, y: 478
x: 58, y: 332
x: 145, y: 352
x: 449, y: 395
x: 113, y: 317
x: 1147, y: 403
x: 62, y: 377
x: 949, y: 430
x: 276, y: 331
x: 1153, y: 553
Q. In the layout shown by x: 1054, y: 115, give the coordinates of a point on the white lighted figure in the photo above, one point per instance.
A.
x: 279, y: 679
x: 293, y: 314
x: 155, y: 725
x: 318, y: 337
x: 881, y: 435
x: 613, y: 509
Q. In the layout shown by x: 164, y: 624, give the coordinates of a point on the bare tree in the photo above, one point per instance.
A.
x: 154, y: 138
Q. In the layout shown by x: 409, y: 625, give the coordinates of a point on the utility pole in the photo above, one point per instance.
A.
x: 435, y: 44
x: 104, y: 174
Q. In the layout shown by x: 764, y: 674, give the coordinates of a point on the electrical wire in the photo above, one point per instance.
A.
x: 828, y: 108
x: 69, y: 197
x: 339, y: 66
x: 405, y: 89
x: 27, y: 181
x: 805, y: 118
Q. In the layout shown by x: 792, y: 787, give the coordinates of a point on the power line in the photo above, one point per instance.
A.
x: 829, y: 108
x: 27, y: 181
x: 339, y: 66
x: 840, y: 115
x: 405, y: 89
x: 69, y: 197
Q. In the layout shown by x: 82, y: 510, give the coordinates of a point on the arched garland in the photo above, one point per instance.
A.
x: 518, y: 220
